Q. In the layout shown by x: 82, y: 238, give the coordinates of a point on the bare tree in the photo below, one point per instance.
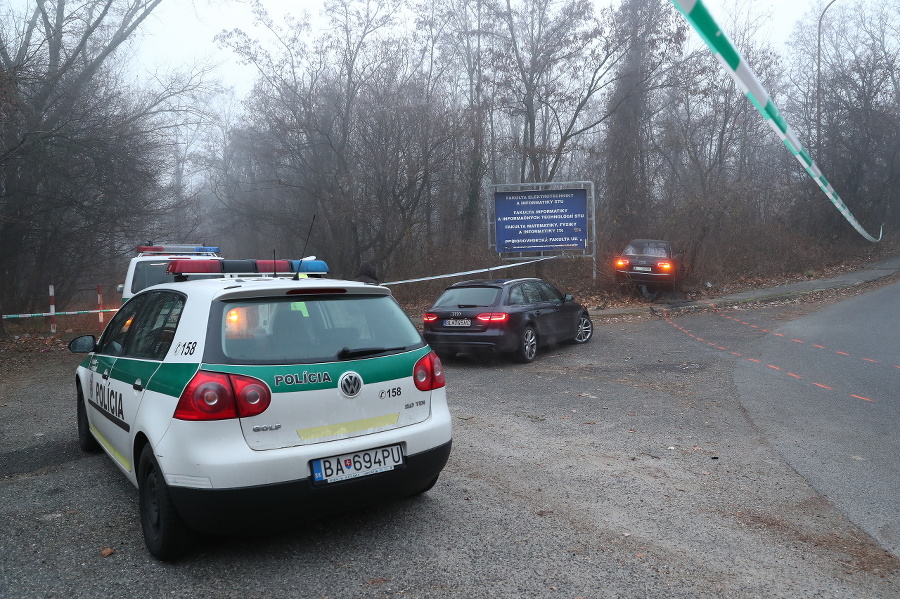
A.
x: 860, y: 115
x: 82, y: 155
x: 653, y: 37
x: 552, y: 62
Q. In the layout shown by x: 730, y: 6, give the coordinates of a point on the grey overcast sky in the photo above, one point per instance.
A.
x: 181, y: 32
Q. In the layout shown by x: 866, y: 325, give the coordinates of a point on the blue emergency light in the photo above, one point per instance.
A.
x: 316, y: 266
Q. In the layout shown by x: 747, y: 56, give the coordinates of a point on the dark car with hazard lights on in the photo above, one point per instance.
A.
x: 253, y: 403
x: 508, y: 316
x: 651, y: 264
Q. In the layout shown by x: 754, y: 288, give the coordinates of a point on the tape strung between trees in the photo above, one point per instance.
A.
x: 698, y: 16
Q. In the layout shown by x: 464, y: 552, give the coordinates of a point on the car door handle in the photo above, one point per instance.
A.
x: 138, y: 386
x: 105, y: 375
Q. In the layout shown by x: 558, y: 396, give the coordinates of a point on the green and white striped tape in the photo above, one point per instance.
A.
x: 698, y: 16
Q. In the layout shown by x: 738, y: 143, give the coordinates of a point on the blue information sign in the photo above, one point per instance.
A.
x: 529, y: 221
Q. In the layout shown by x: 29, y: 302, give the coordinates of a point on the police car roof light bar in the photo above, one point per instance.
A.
x: 176, y: 248
x: 272, y: 267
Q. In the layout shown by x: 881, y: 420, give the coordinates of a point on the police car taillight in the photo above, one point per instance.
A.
x: 220, y: 396
x: 428, y: 373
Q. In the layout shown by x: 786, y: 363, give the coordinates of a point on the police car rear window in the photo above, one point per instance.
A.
x: 316, y: 329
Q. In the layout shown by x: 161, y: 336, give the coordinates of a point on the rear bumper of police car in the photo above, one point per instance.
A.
x: 220, y: 485
x: 266, y: 508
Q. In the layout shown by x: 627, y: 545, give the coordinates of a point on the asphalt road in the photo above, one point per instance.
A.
x: 825, y: 392
x: 638, y: 465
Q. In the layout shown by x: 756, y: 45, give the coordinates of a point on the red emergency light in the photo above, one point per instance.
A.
x: 264, y: 266
x: 183, y: 267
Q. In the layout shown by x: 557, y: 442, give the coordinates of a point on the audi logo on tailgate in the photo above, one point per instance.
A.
x: 350, y: 384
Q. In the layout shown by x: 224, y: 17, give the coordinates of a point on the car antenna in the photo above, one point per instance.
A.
x: 306, y: 243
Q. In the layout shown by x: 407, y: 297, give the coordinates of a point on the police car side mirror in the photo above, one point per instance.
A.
x: 120, y: 287
x: 83, y: 344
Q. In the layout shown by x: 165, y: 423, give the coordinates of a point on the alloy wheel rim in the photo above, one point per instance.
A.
x: 584, y: 329
x: 530, y: 344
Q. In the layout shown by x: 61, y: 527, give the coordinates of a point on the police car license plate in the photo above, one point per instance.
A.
x: 354, y: 465
x: 643, y: 268
x: 458, y: 322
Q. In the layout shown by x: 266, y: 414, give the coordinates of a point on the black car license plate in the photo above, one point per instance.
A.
x: 458, y: 322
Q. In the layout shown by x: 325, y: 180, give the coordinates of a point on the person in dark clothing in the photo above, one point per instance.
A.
x: 366, y: 274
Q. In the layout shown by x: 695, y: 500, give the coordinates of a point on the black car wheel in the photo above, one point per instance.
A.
x: 165, y: 534
x: 527, y: 350
x: 585, y: 329
x: 86, y: 440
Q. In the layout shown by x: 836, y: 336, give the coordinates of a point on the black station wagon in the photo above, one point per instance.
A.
x: 508, y: 316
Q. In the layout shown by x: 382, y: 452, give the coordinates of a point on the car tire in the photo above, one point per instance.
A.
x: 86, y: 440
x: 165, y: 534
x: 585, y: 329
x: 528, y: 344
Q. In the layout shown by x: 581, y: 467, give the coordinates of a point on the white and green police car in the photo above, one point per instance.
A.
x: 236, y: 404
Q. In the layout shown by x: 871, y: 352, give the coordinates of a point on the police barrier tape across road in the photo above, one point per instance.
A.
x: 470, y: 272
x: 698, y: 16
x: 39, y: 314
x: 455, y: 274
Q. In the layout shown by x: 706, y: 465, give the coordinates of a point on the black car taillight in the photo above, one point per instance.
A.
x: 493, y: 317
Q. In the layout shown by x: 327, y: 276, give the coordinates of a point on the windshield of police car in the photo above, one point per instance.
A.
x: 284, y: 330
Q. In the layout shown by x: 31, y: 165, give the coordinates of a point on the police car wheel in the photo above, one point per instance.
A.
x: 86, y: 440
x: 528, y: 343
x: 165, y: 534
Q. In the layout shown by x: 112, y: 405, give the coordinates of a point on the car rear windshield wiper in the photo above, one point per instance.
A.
x: 347, y: 353
x: 471, y: 306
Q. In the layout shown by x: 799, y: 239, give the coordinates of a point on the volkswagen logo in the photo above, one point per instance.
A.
x: 350, y: 384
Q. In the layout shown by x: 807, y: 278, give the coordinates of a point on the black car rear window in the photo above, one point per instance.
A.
x: 468, y: 297
x: 647, y: 249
